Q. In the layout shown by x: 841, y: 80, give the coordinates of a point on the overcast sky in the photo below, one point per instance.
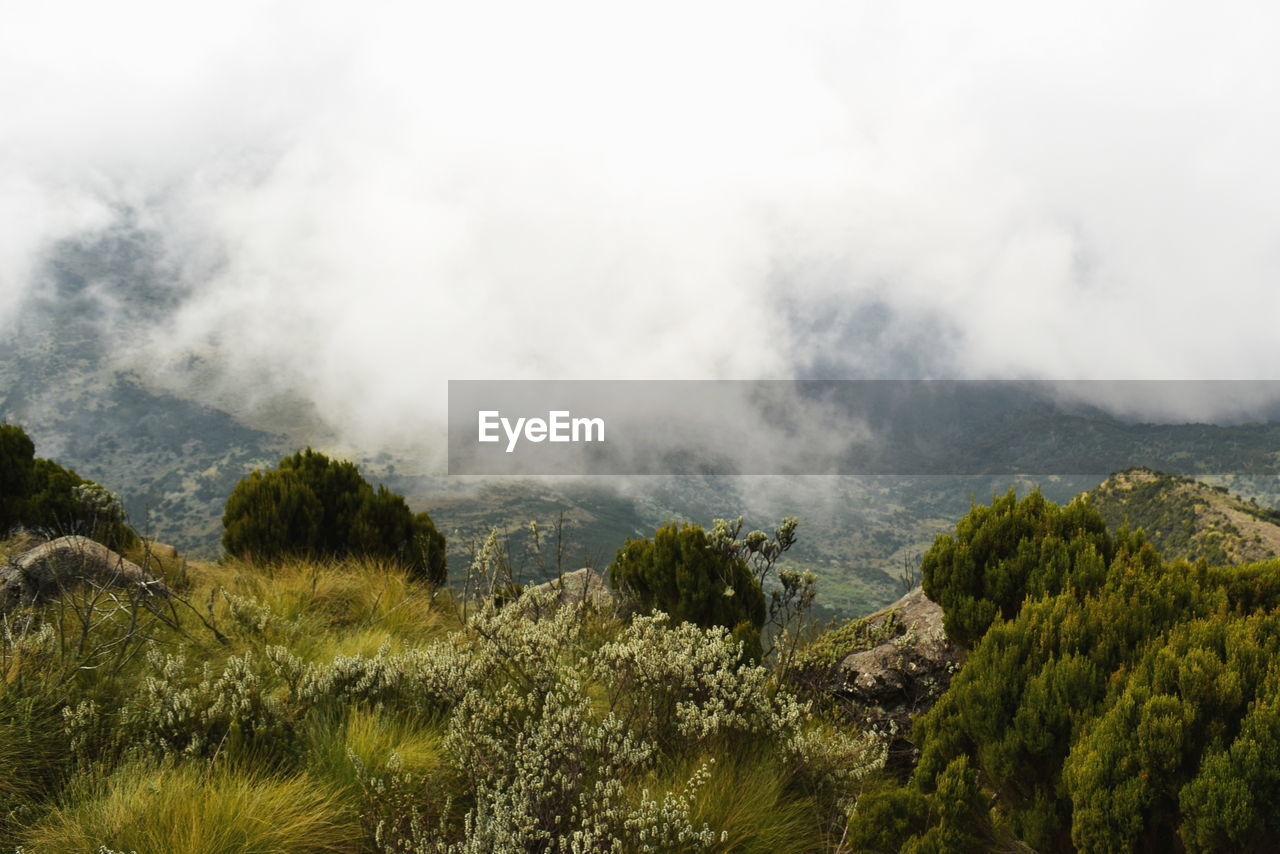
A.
x: 361, y: 201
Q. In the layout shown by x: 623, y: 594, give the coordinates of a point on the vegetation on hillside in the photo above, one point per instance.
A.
x: 312, y: 506
x: 1001, y: 554
x: 717, y: 578
x: 324, y: 693
x: 1184, y: 518
x: 303, y: 701
x: 344, y: 706
x: 1127, y: 710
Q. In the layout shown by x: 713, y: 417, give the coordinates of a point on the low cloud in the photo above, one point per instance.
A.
x: 353, y: 205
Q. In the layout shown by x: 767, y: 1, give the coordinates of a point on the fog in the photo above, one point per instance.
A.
x: 353, y: 204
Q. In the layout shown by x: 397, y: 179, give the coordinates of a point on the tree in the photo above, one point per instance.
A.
x: 427, y: 549
x: 313, y: 506
x: 272, y: 515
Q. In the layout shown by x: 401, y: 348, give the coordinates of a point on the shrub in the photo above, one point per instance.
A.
x: 682, y: 574
x: 528, y: 727
x: 17, y: 454
x: 1136, y: 715
x: 43, y: 496
x: 312, y: 506
x: 1003, y: 553
x: 1189, y: 749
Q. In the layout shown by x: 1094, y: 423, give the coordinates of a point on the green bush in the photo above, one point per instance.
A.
x: 312, y: 506
x: 1001, y: 554
x: 682, y: 573
x: 17, y: 453
x: 1136, y: 714
x: 42, y: 496
x: 1191, y: 749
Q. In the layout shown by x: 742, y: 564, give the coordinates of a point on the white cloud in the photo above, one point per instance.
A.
x: 368, y: 200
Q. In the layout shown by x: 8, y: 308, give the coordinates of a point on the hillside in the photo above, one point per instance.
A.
x: 1187, y: 518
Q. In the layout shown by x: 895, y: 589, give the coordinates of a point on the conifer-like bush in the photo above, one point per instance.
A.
x: 682, y: 573
x: 42, y: 496
x: 1000, y: 554
x: 17, y: 454
x: 1135, y: 712
x: 313, y: 506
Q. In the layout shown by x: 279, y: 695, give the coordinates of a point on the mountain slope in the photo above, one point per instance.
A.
x: 1188, y: 518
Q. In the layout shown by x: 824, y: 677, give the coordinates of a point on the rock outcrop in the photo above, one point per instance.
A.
x: 902, y: 677
x: 43, y: 572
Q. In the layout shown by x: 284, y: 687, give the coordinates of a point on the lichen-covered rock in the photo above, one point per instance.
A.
x: 902, y: 677
x: 67, y: 563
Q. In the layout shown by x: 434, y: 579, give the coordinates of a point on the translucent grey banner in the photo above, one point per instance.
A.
x: 890, y: 427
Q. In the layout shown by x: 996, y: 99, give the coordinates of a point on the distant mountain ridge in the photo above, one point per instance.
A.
x: 1187, y: 518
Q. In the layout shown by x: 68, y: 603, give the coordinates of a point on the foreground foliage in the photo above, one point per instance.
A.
x: 1111, y: 701
x: 347, y: 707
x: 719, y: 578
x: 1128, y: 704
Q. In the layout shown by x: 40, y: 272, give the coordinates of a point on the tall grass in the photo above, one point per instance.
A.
x: 372, y: 737
x: 747, y: 803
x: 32, y: 759
x: 190, y: 809
x: 394, y: 767
x: 325, y: 608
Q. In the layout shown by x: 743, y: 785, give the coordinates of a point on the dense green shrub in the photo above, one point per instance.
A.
x: 17, y: 453
x: 271, y: 515
x: 682, y: 573
x: 1190, y: 750
x: 1001, y: 554
x: 312, y: 506
x: 42, y: 496
x: 1135, y: 714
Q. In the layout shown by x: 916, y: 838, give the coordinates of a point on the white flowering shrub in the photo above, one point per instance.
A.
x: 533, y: 726
x: 681, y: 684
x: 174, y: 714
x: 97, y: 503
x: 29, y: 655
x: 559, y: 742
x: 429, y: 679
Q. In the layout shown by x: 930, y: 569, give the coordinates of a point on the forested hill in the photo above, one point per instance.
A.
x: 1187, y: 518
